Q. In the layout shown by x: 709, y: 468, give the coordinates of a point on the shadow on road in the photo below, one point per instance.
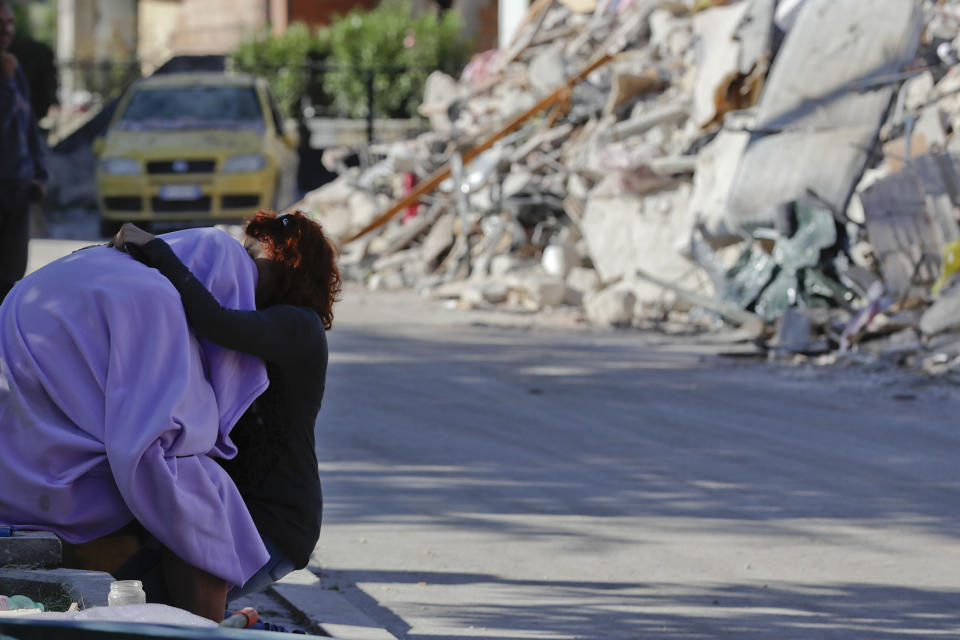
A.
x: 585, y: 444
x: 657, y: 610
x: 542, y: 424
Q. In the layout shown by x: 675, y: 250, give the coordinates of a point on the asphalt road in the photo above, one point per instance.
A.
x: 487, y: 475
x: 488, y: 480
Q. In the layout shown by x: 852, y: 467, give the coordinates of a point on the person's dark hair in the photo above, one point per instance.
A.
x: 307, y: 275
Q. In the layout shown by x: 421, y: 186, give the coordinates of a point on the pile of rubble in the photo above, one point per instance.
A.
x: 789, y: 170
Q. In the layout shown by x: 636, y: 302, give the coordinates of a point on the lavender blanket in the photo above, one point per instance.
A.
x: 110, y: 407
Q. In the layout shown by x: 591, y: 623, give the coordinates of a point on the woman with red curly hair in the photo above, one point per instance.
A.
x: 298, y: 282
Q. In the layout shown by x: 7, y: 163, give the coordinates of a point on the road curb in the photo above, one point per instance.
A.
x: 326, y: 609
x: 87, y: 588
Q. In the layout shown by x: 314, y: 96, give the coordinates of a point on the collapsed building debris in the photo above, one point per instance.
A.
x: 788, y: 169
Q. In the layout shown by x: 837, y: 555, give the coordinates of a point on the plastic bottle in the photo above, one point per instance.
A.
x: 126, y: 592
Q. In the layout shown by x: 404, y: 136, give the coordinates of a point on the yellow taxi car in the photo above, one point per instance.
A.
x: 195, y: 147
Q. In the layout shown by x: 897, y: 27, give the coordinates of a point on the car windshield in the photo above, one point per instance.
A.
x: 194, y: 107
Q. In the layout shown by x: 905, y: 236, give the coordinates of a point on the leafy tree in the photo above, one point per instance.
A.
x: 399, y: 49
x: 284, y: 60
x: 34, y: 26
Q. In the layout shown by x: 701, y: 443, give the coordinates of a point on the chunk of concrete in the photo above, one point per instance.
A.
x: 440, y: 91
x: 516, y: 181
x: 917, y: 91
x: 86, y: 588
x: 471, y: 298
x: 583, y: 280
x: 483, y: 294
x: 942, y: 315
x: 712, y: 181
x: 341, y: 207
x: 387, y: 280
x: 907, y: 226
x: 786, y: 14
x: 438, y: 240
x: 505, y: 263
x: 548, y: 70
x: 627, y: 86
x: 494, y: 292
x: 754, y: 34
x: 670, y: 34
x: 539, y: 290
x: 643, y: 119
x: 559, y: 259
x: 718, y: 56
x: 611, y: 307
x: 625, y: 233
x: 827, y: 128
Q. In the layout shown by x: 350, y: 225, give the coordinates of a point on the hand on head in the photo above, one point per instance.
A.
x: 130, y: 235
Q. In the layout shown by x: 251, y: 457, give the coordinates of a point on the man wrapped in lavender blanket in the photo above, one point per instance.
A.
x: 111, y: 409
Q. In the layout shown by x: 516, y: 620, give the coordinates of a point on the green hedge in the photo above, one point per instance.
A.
x: 283, y: 60
x: 333, y: 64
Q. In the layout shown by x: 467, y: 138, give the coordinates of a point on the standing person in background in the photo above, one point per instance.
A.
x: 23, y: 172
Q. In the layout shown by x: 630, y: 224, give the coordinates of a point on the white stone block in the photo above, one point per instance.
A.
x: 612, y: 306
x: 559, y: 259
x: 583, y: 279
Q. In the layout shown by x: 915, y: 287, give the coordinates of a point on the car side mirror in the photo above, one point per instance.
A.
x: 291, y: 133
x: 98, y: 144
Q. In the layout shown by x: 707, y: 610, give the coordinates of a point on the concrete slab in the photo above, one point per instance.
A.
x: 327, y: 609
x: 87, y: 588
x: 822, y: 105
x: 30, y: 549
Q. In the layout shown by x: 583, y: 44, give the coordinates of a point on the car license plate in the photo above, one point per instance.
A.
x: 179, y: 192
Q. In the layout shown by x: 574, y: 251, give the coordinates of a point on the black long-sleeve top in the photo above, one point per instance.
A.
x: 276, y: 467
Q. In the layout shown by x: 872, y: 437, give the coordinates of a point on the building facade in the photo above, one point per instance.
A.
x: 153, y: 31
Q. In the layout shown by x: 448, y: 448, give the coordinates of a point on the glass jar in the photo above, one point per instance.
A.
x: 126, y: 592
